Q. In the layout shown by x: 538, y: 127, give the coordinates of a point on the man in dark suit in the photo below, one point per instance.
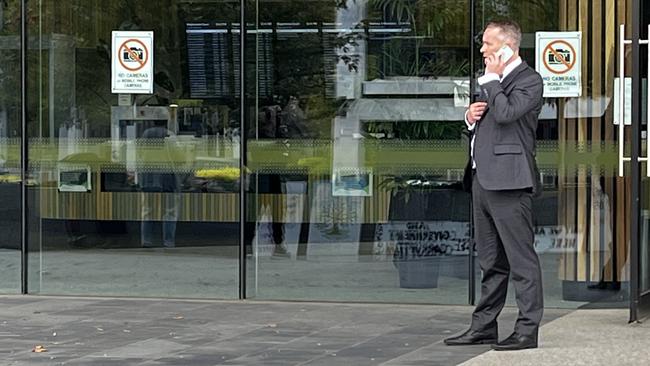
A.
x: 164, y: 181
x: 504, y: 180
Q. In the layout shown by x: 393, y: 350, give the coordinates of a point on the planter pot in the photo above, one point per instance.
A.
x: 10, y: 215
x: 441, y: 204
x: 417, y: 262
x: 214, y: 185
x: 418, y: 273
x: 420, y: 240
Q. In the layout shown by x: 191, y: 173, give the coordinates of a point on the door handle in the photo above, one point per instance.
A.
x: 622, y: 42
x: 647, y: 107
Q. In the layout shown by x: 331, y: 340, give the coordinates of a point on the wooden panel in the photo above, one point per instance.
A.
x: 570, y: 219
x: 595, y: 229
x: 597, y: 214
x: 572, y: 15
x: 624, y: 247
x: 583, y: 207
x: 610, y: 188
x: 596, y: 232
x: 620, y: 236
x: 562, y: 21
x: 563, y: 199
x: 582, y: 233
x: 568, y: 137
x: 562, y: 207
x: 218, y: 207
x: 609, y: 46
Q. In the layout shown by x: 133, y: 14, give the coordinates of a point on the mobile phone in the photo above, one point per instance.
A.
x: 505, y: 53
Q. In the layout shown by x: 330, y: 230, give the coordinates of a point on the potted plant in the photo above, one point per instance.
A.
x: 425, y: 225
x: 10, y: 211
x: 216, y: 180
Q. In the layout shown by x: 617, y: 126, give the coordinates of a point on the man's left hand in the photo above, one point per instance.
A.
x: 494, y: 64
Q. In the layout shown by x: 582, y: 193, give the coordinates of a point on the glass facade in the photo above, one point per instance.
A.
x: 125, y: 201
x: 358, y: 148
x: 353, y: 141
x: 10, y: 135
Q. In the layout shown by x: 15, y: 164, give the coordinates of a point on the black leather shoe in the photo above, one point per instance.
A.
x: 516, y: 342
x: 488, y: 336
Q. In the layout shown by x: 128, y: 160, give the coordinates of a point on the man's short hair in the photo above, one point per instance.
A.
x: 510, y: 30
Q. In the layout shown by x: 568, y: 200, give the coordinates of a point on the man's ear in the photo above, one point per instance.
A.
x: 514, y: 48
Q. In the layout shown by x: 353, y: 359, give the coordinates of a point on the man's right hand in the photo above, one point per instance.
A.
x: 476, y: 111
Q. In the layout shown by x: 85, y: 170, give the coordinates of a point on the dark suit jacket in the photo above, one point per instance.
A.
x: 161, y: 180
x: 504, y: 145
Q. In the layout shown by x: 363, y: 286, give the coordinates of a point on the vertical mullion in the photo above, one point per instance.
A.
x: 596, y: 239
x: 23, y: 146
x: 472, y: 80
x: 636, y: 171
x: 242, y: 150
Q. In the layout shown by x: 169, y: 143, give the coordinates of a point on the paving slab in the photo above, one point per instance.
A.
x: 124, y: 331
x: 584, y: 337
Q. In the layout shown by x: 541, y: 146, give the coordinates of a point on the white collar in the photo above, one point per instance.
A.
x: 511, y: 66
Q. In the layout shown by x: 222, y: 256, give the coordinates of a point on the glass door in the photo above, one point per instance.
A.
x: 582, y: 219
x: 10, y: 152
x: 357, y: 150
x: 639, y: 48
x: 133, y: 193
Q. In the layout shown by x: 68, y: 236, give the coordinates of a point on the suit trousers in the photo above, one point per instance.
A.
x: 504, y: 237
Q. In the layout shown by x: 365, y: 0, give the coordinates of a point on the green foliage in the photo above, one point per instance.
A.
x: 433, y: 130
x: 432, y: 24
x: 401, y: 10
x: 408, y: 185
x: 437, y: 28
x: 532, y: 15
x: 411, y: 55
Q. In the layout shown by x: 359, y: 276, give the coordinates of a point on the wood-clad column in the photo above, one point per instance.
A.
x: 593, y: 201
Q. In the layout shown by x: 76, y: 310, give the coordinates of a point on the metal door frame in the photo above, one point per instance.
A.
x: 639, y: 300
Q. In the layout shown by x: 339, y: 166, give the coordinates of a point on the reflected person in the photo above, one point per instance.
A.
x: 283, y: 125
x: 504, y: 178
x: 157, y: 181
x: 269, y: 127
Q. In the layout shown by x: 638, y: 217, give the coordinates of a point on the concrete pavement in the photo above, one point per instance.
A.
x: 118, y: 331
x: 583, y: 337
x: 112, y: 331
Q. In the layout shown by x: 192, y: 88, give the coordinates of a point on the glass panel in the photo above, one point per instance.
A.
x: 644, y: 223
x: 357, y: 151
x: 10, y: 133
x: 582, y: 219
x: 137, y: 194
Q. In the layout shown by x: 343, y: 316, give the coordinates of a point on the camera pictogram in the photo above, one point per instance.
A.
x: 554, y: 60
x: 136, y: 54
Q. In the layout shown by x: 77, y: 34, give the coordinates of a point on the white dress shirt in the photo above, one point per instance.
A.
x: 482, y: 81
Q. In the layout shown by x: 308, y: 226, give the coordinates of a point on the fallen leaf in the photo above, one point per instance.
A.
x: 39, y: 349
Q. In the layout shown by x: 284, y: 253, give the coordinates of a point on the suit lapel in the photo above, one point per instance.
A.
x: 504, y: 84
x: 513, y: 75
